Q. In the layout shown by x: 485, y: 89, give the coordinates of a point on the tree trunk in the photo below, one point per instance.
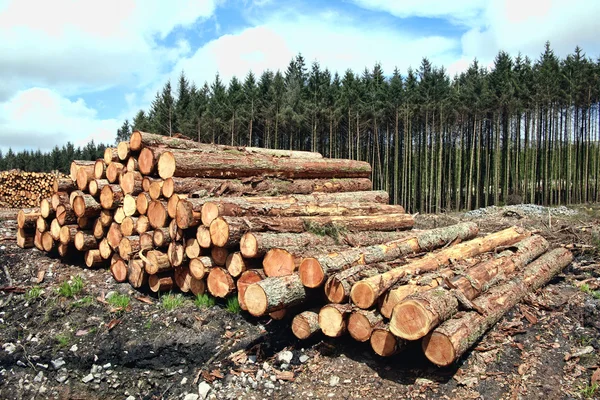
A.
x: 136, y: 274
x: 333, y: 319
x: 220, y: 283
x: 305, y: 324
x: 86, y: 206
x: 246, y: 279
x: 273, y: 294
x: 362, y: 322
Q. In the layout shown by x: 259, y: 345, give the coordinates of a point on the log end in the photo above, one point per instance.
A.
x: 21, y: 219
x: 108, y: 155
x: 118, y: 270
x: 128, y: 182
x: 359, y: 327
x: 168, y: 188
x: 410, y: 320
x: 135, y: 141
x: 278, y: 262
x: 220, y: 283
x: 106, y: 197
x: 79, y: 206
x: 210, y: 212
x: 331, y: 321
x: 146, y: 161
x: 335, y: 291
x: 47, y: 242
x: 219, y: 232
x: 82, y: 178
x: 438, y: 349
x: 363, y: 295
x: 123, y: 150
x: 311, y: 273
x: 157, y: 214
x: 197, y: 286
x: 248, y: 245
x: 184, y: 214
x: 384, y: 343
x: 256, y: 300
x: 166, y: 165
x: 301, y: 328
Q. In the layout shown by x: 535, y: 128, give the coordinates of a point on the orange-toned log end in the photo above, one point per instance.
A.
x: 155, y: 190
x: 146, y: 161
x: 109, y: 155
x: 248, y: 245
x: 118, y: 269
x: 182, y: 278
x: 220, y: 283
x: 161, y: 282
x: 256, y: 300
x: 219, y: 255
x: 24, y: 240
x: 197, y: 268
x: 99, y: 169
x: 438, y: 349
x: 123, y: 150
x: 184, y: 214
x: 197, y: 286
x: 135, y: 141
x: 278, y: 262
x: 410, y: 320
x: 359, y: 327
x: 63, y: 249
x: 278, y: 315
x: 210, y: 212
x: 246, y: 279
x: 305, y: 324
x: 203, y: 237
x: 363, y: 295
x: 83, y: 178
x: 219, y: 232
x: 157, y: 214
x: 168, y: 188
x: 166, y: 165
x: 311, y: 273
x: 335, y: 291
x: 128, y: 182
x: 172, y: 206
x: 47, y: 241
x: 235, y: 264
x: 383, y: 342
x: 332, y: 322
x: 93, y: 258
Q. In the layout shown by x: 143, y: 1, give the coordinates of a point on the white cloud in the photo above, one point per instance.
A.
x: 41, y: 118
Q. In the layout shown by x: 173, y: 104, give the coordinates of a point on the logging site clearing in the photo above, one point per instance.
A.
x: 259, y: 273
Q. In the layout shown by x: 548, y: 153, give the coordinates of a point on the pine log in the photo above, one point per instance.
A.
x: 338, y: 286
x: 65, y: 215
x: 227, y: 231
x: 99, y: 169
x: 203, y: 237
x: 157, y: 262
x: 84, y: 240
x: 63, y: 249
x: 362, y: 322
x: 123, y: 150
x: 63, y: 185
x: 59, y: 198
x: 55, y: 229
x: 27, y: 218
x: 176, y: 254
x: 220, y: 283
x: 118, y: 269
x: 236, y: 264
x: 197, y: 286
x: 37, y: 238
x: 129, y: 206
x: 84, y: 177
x: 384, y: 343
x: 305, y: 324
x: 93, y: 258
x: 142, y: 225
x: 85, y: 223
x: 131, y: 183
x: 161, y: 282
x: 192, y: 248
x: 155, y: 189
x: 110, y: 155
x: 128, y: 226
x: 106, y: 218
x: 73, y: 195
x: 114, y: 235
x: 136, y: 274
x: 119, y: 215
x: 111, y: 197
x: 78, y: 164
x: 333, y: 319
x: 419, y: 313
x: 315, y: 270
x: 95, y: 186
x: 278, y: 315
x: 147, y: 181
x: 86, y: 206
x: 106, y: 251
x: 157, y: 214
x: 131, y: 164
x: 142, y: 202
x: 161, y: 237
x: 182, y: 278
x: 46, y: 209
x: 113, y: 171
x: 272, y: 294
x: 98, y: 230
x: 129, y: 246
x: 172, y: 204
x: 454, y: 337
x: 201, y: 266
x: 246, y: 279
x: 146, y: 241
x: 25, y: 240
x: 219, y: 255
x: 41, y: 224
x: 175, y: 232
x: 67, y: 234
x: 365, y: 293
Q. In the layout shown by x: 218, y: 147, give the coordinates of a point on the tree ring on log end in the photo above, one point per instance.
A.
x: 438, y: 349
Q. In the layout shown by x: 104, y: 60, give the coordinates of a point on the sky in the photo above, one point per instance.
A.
x: 73, y: 70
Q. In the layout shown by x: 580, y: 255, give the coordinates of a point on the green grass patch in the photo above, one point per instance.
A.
x: 70, y: 289
x: 63, y: 339
x: 585, y: 288
x: 83, y: 302
x: 204, y: 300
x: 33, y: 293
x: 233, y: 305
x: 589, y: 391
x: 171, y: 301
x: 119, y: 300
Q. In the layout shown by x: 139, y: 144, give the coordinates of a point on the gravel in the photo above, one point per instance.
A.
x: 522, y: 210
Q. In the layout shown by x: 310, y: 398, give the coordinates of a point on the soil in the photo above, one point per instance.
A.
x: 82, y: 347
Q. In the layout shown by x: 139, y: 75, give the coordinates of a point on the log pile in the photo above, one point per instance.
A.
x: 287, y: 232
x: 20, y: 189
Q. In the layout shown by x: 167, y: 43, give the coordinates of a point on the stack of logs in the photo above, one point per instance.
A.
x: 20, y: 189
x: 286, y: 231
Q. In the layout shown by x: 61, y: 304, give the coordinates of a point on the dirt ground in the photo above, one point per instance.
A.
x: 86, y: 347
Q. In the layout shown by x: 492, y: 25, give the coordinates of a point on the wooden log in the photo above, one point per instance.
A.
x: 59, y: 198
x: 55, y: 229
x: 384, y: 343
x: 131, y: 164
x: 99, y: 170
x: 129, y: 206
x: 111, y: 197
x: 114, y: 235
x: 362, y: 322
x: 155, y: 189
x: 110, y: 155
x: 201, y: 266
x: 197, y: 286
x: 37, y: 238
x: 106, y: 251
x: 175, y: 232
x: 113, y: 171
x: 76, y: 165
x: 182, y: 278
x: 47, y: 242
x: 365, y: 293
x: 93, y: 258
x: 156, y: 262
x: 157, y: 214
x: 136, y: 273
x: 219, y: 255
x: 146, y: 241
x: 118, y: 269
x: 315, y: 270
x: 192, y: 248
x: 86, y: 206
x: 95, y: 186
x: 272, y: 294
x: 236, y: 264
x: 419, y: 313
x: 203, y: 237
x: 142, y: 225
x: 63, y: 185
x: 246, y: 279
x: 131, y: 183
x: 27, y: 218
x: 227, y: 231
x: 26, y: 240
x: 73, y: 195
x: 46, y: 209
x: 63, y: 249
x: 278, y: 315
x: 220, y: 283
x: 305, y: 324
x: 65, y: 215
x: 454, y: 337
x: 84, y: 240
x: 147, y: 181
x: 123, y: 150
x: 161, y: 282
x: 333, y: 319
x: 161, y: 237
x: 142, y: 201
x: 119, y: 215
x: 105, y: 218
x: 280, y: 262
x: 338, y: 286
x: 67, y: 234
x: 85, y: 223
x: 128, y: 226
x: 41, y: 224
x: 84, y: 177
x: 129, y: 246
x: 172, y: 204
x: 176, y: 253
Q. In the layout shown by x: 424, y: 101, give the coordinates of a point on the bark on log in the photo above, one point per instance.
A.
x: 111, y: 197
x: 136, y: 274
x: 315, y: 270
x: 161, y: 282
x: 272, y: 294
x: 63, y: 185
x: 365, y: 293
x: 338, y: 286
x: 157, y: 262
x: 77, y: 164
x: 86, y: 206
x: 84, y: 177
x: 362, y: 322
x: 27, y: 218
x: 246, y: 279
x: 454, y: 337
x: 305, y: 324
x: 384, y: 343
x: 220, y: 283
x: 26, y: 240
x: 142, y: 202
x: 201, y: 266
x: 333, y: 319
x: 419, y: 313
x: 227, y: 231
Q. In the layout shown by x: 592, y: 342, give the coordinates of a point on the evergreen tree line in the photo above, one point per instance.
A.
x: 59, y: 159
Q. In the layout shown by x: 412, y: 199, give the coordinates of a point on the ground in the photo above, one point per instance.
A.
x: 86, y: 345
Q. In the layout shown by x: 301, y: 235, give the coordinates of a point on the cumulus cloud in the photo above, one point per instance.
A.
x: 41, y: 118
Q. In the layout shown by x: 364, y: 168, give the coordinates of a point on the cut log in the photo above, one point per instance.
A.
x: 280, y: 262
x: 99, y: 170
x: 63, y: 249
x: 142, y: 225
x: 118, y: 269
x: 131, y: 183
x: 131, y: 164
x: 200, y: 267
x: 182, y: 278
x: 114, y: 235
x: 246, y: 279
x: 419, y: 313
x: 63, y: 185
x: 46, y: 209
x: 111, y: 197
x: 146, y: 241
x: 365, y: 293
x: 333, y: 319
x: 203, y: 237
x: 172, y: 204
x: 129, y: 206
x: 157, y: 262
x: 315, y: 270
x: 37, y: 238
x: 227, y: 231
x: 84, y: 177
x: 197, y: 286
x: 73, y: 195
x: 161, y: 282
x: 384, y: 343
x: 25, y: 240
x: 67, y: 234
x: 113, y: 171
x: 41, y: 224
x: 161, y: 237
x: 454, y: 337
x: 65, y: 215
x: 86, y: 206
x: 98, y: 230
x: 305, y: 324
x: 59, y: 198
x: 157, y: 214
x: 176, y: 253
x: 55, y: 229
x: 95, y: 187
x: 142, y: 202
x: 236, y: 264
x: 362, y: 322
x: 129, y: 246
x: 278, y: 315
x: 110, y: 155
x: 155, y: 189
x: 93, y: 258
x: 105, y: 218
x: 128, y: 226
x: 338, y: 286
x: 147, y: 181
x: 272, y: 294
x: 123, y: 150
x: 77, y: 164
x: 219, y: 255
x: 175, y: 232
x: 119, y: 215
x: 220, y: 283
x: 27, y: 218
x: 105, y: 250
x: 85, y: 223
x: 136, y: 274
x: 192, y: 248
x: 85, y: 241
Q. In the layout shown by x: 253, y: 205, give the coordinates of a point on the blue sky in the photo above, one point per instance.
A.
x: 74, y: 70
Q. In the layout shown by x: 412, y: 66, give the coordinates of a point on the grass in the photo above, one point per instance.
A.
x: 171, y: 301
x: 233, y: 305
x: 119, y: 300
x: 204, y: 301
x: 67, y: 289
x: 84, y: 301
x: 332, y: 230
x: 148, y: 324
x: 589, y: 391
x: 585, y: 288
x: 63, y: 339
x: 33, y: 293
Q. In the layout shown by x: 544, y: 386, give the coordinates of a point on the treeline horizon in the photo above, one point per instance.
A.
x: 523, y: 131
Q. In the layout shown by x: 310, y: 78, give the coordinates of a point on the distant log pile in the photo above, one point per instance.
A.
x: 20, y: 189
x: 287, y: 231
